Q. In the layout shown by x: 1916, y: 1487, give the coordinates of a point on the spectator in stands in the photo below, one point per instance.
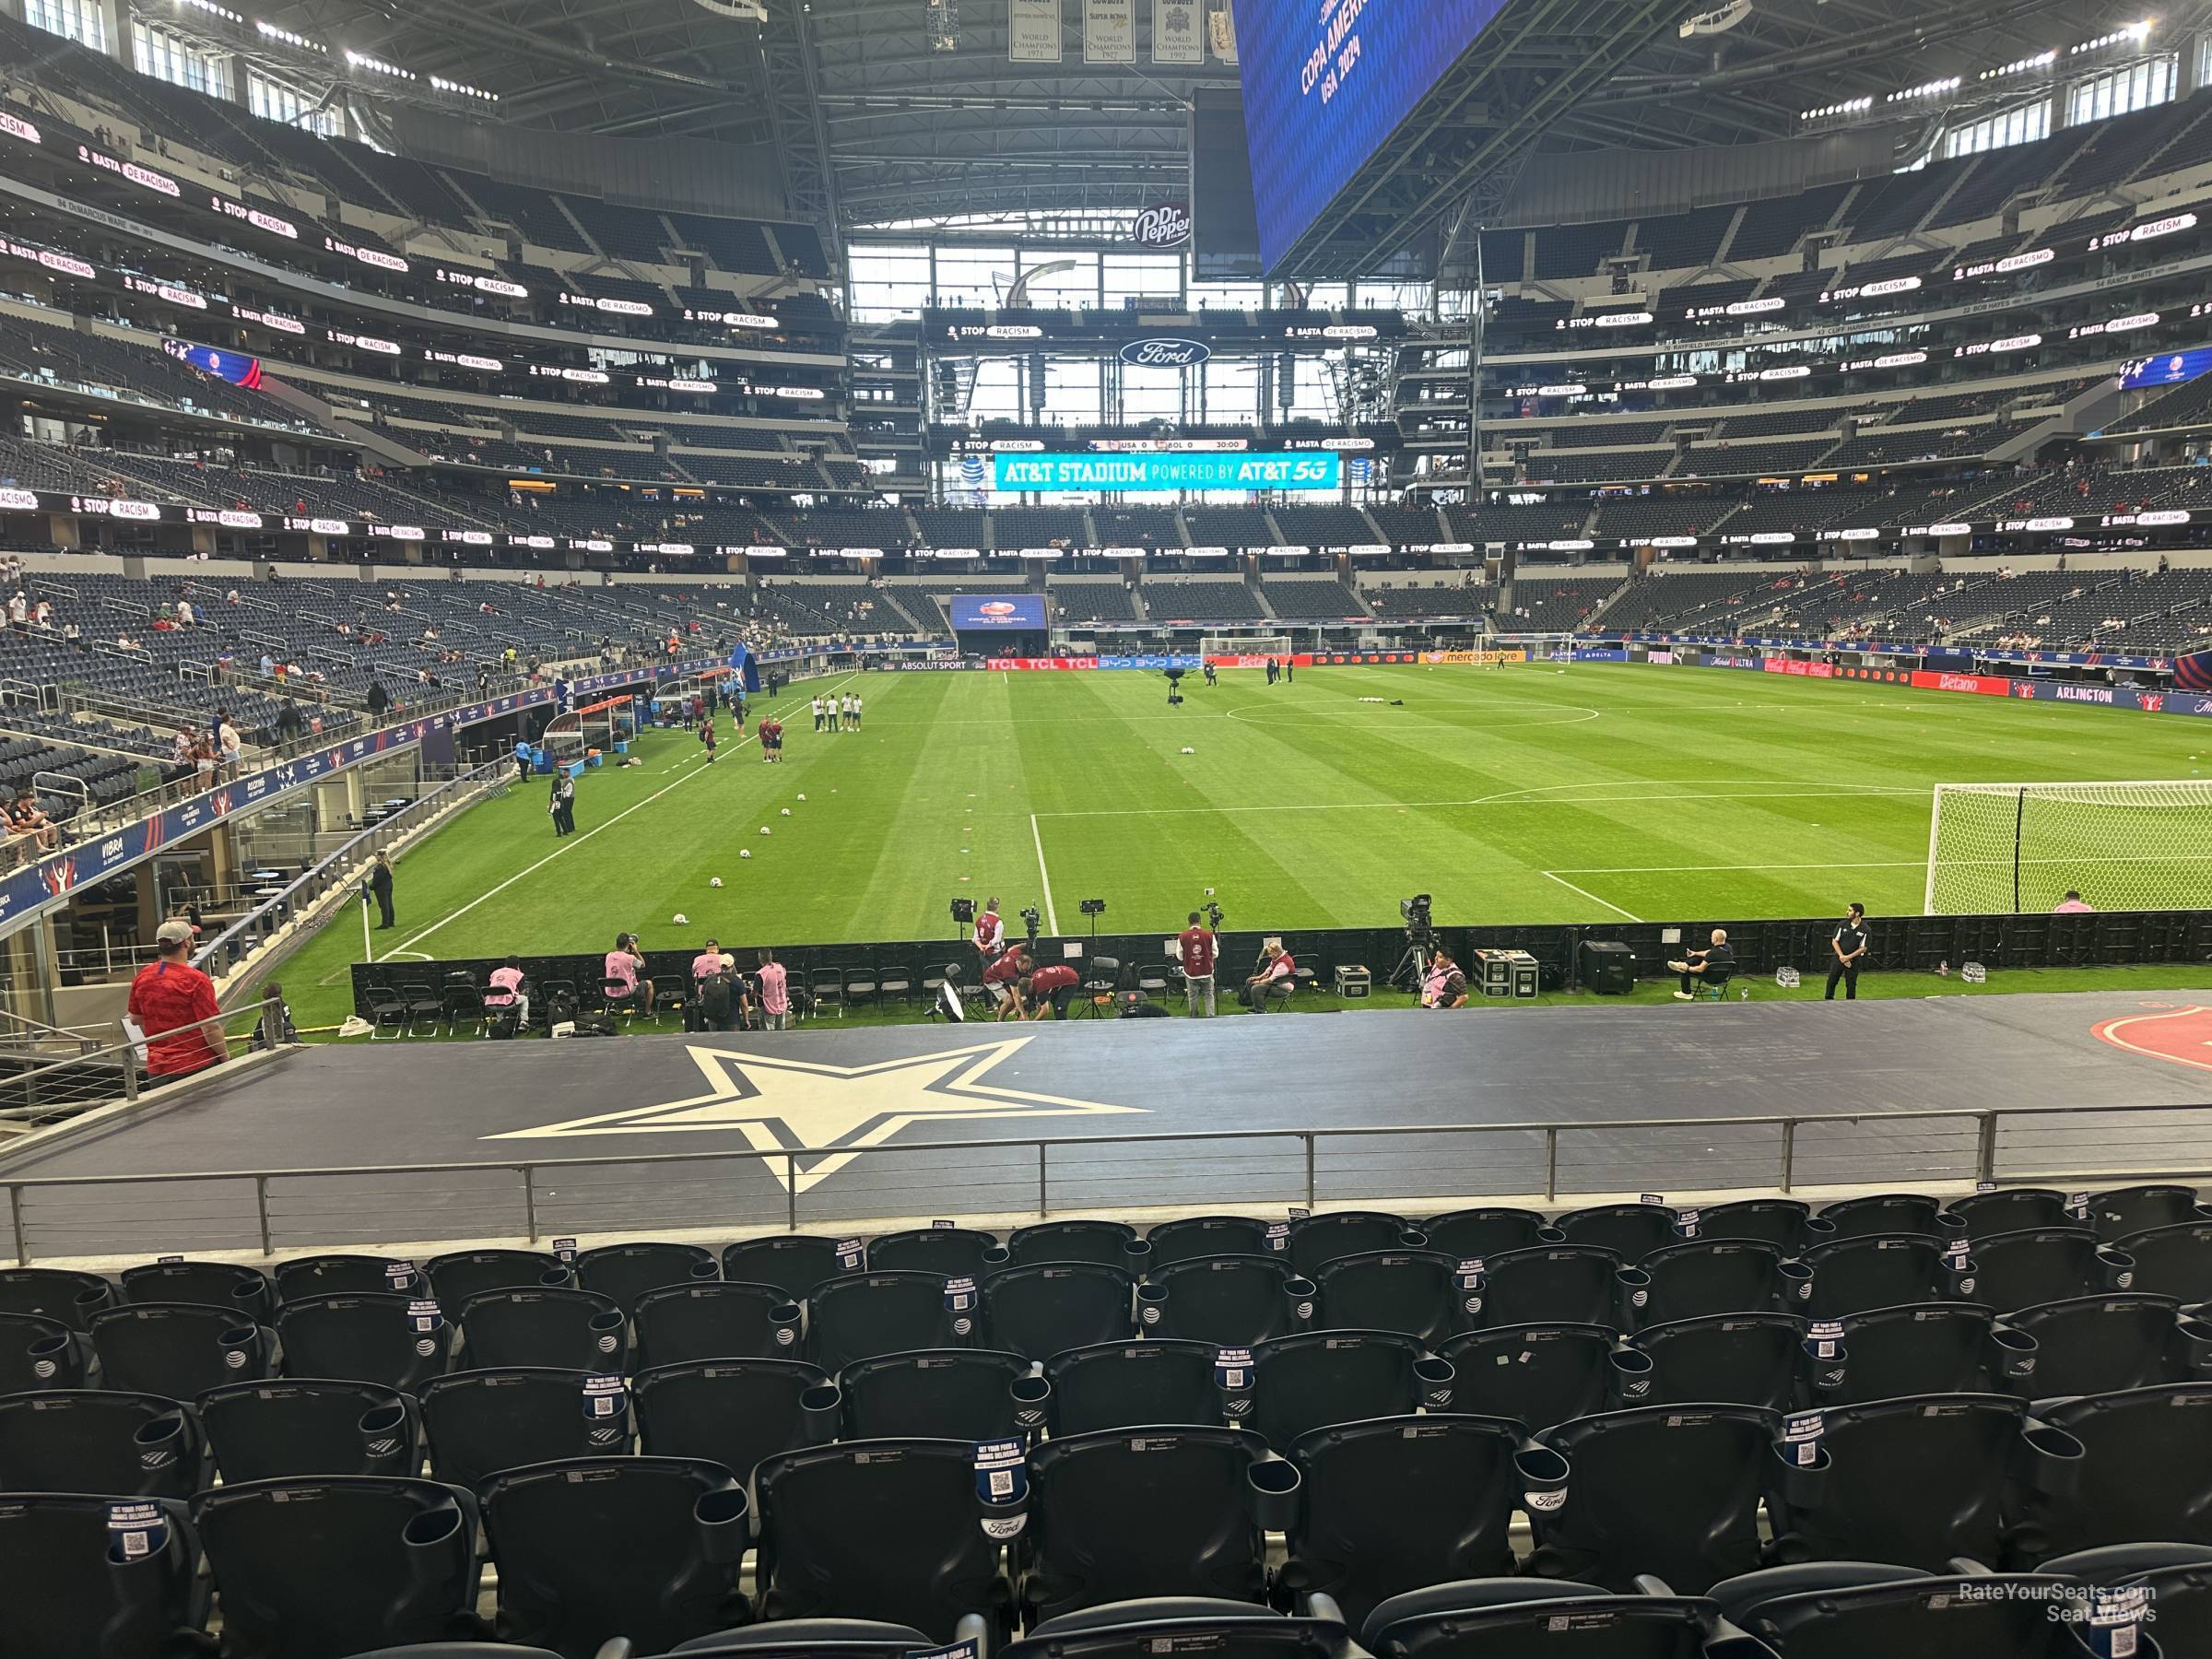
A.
x: 2072, y: 904
x: 1272, y: 982
x: 1198, y: 950
x: 26, y: 820
x: 1716, y: 964
x: 775, y: 993
x: 170, y: 995
x: 1054, y: 987
x: 506, y: 990
x: 290, y: 723
x: 378, y: 700
x: 620, y: 979
x: 1849, y: 949
x: 233, y: 748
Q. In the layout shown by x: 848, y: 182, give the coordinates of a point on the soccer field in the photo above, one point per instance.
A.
x: 1524, y: 795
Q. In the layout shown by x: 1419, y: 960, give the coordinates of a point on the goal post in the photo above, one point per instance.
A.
x: 1244, y: 645
x: 2015, y: 849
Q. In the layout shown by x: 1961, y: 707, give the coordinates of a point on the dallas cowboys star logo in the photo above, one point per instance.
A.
x: 778, y: 1104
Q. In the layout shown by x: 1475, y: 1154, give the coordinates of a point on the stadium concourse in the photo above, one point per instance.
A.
x: 1640, y: 572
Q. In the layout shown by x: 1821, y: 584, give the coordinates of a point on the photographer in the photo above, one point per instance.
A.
x: 1199, y: 948
x: 1273, y: 981
x: 619, y: 978
x: 1445, y: 983
x: 1003, y: 981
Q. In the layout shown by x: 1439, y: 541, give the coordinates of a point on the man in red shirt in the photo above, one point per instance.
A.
x: 1003, y: 980
x: 169, y: 993
x: 771, y: 740
x: 1197, y: 941
x: 990, y: 932
x: 1273, y: 981
x: 1053, y: 987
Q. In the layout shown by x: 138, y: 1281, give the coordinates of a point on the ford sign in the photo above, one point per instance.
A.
x: 1166, y: 226
x: 1166, y: 354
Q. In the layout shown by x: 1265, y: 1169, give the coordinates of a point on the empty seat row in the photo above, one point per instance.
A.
x: 944, y: 1537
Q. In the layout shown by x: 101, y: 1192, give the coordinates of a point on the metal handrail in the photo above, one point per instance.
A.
x: 124, y: 1056
x: 1985, y: 1120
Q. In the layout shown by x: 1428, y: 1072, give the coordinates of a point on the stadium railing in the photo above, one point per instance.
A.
x: 291, y: 1208
x: 106, y: 1075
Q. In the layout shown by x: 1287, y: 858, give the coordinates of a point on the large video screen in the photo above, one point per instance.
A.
x: 2170, y: 369
x: 977, y: 612
x: 1253, y: 470
x: 1325, y: 82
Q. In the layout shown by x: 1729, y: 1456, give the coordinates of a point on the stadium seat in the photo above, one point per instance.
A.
x: 2177, y: 1576
x: 75, y: 1590
x: 316, y: 1568
x: 104, y: 1440
x: 1541, y: 1374
x: 1196, y: 1236
x: 1133, y: 1385
x: 2124, y: 1211
x: 885, y: 1530
x: 1713, y: 1276
x: 2043, y: 1265
x: 716, y: 1320
x: 456, y: 1277
x: 1630, y: 1231
x: 1573, y: 1284
x: 1920, y: 1481
x: 214, y: 1284
x: 809, y: 1639
x: 1850, y: 1610
x: 1183, y: 1511
x: 1413, y: 1291
x: 1733, y: 1359
x: 1473, y: 1234
x: 2009, y: 1209
x: 480, y: 1422
x: 651, y: 1549
x: 36, y: 1352
x: 947, y: 1252
x: 271, y: 1430
x: 1660, y: 1490
x: 179, y: 1350
x: 1316, y: 1378
x: 1887, y: 1214
x: 2146, y: 1475
x: 382, y: 1338
x: 1521, y: 1618
x: 2173, y: 1261
x: 1314, y: 1240
x: 1926, y: 1348
x: 2106, y: 1344
x: 1864, y: 1271
x: 54, y: 1293
x: 793, y: 1262
x: 1781, y: 1222
x: 943, y: 1394
x: 627, y: 1272
x: 345, y: 1275
x: 569, y: 1330
x: 865, y: 1314
x: 1133, y: 1630
x: 1108, y: 1243
x: 732, y: 1412
x: 1039, y: 1311
x: 1230, y: 1301
x: 1396, y: 1503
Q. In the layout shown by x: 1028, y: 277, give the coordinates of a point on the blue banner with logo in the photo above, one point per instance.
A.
x: 1189, y: 665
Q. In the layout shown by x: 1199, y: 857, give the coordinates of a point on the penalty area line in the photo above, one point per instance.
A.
x: 1593, y: 898
x: 1037, y: 836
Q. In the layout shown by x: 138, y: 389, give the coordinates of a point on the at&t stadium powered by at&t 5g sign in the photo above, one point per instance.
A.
x: 1049, y: 474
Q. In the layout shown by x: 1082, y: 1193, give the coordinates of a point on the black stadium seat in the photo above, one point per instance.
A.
x: 793, y: 1262
x: 864, y: 1314
x: 76, y: 1590
x: 947, y: 1252
x: 2104, y: 1344
x: 1470, y: 1234
x: 181, y: 1349
x: 345, y: 1275
x: 1522, y: 1618
x: 38, y: 1352
x: 1576, y: 1284
x: 1042, y: 1310
x: 1733, y: 1358
x: 627, y: 1272
x: 1885, y: 1214
x: 1108, y: 1243
x: 2173, y: 1260
x: 54, y: 1293
x: 2177, y: 1577
x: 1316, y: 1378
x: 649, y: 1548
x: 269, y: 1430
x: 1715, y: 1276
x: 1312, y: 1240
x: 399, y: 1341
x: 2123, y: 1211
x: 1413, y: 1291
x: 482, y: 1422
x: 1783, y: 1222
x: 2009, y: 1209
x: 732, y: 1412
x: 2043, y: 1264
x: 1134, y: 1385
x: 1232, y: 1301
x: 317, y: 1568
x: 456, y: 1277
x: 1541, y: 1374
x: 1134, y: 1630
x: 216, y: 1284
x: 1195, y: 1236
x: 1927, y: 1347
x: 715, y: 1320
x: 1630, y: 1231
x: 942, y: 1394
x: 82, y: 1440
x: 1862, y: 1271
x: 572, y: 1330
x: 1849, y: 1610
x: 2144, y: 1477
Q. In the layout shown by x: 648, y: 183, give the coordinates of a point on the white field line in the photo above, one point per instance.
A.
x: 1593, y: 896
x: 1050, y: 915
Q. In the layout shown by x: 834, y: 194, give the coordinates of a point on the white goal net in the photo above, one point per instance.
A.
x: 2019, y: 848
x: 1237, y: 645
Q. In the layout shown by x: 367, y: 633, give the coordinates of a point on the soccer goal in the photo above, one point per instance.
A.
x: 2015, y: 848
x: 1245, y: 645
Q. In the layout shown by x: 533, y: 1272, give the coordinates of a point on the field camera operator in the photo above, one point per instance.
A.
x: 1199, y: 949
x: 1445, y: 983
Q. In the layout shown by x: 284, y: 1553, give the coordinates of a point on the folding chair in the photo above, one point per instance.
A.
x: 1101, y: 978
x: 896, y: 982
x: 826, y: 990
x: 858, y: 987
x: 425, y: 1007
x: 464, y: 1001
x: 387, y: 1010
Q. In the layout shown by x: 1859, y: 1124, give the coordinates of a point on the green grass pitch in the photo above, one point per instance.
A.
x: 1519, y: 794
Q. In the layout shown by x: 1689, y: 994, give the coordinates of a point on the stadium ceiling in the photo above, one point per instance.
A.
x: 912, y: 129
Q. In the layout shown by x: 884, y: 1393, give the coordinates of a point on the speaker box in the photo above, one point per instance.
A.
x: 1607, y: 967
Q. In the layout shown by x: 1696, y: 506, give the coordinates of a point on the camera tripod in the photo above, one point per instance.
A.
x: 1412, y: 970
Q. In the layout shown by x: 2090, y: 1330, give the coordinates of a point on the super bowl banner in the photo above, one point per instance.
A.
x: 1033, y: 31
x: 1176, y: 37
x: 1110, y: 31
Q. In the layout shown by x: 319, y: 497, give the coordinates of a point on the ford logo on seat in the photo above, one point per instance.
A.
x: 1166, y: 354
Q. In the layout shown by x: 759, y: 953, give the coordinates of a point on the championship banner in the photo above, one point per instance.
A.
x: 1033, y: 31
x: 1110, y: 31
x: 1175, y: 33
x: 2194, y: 672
